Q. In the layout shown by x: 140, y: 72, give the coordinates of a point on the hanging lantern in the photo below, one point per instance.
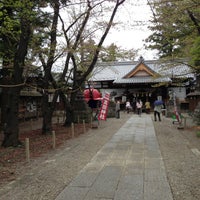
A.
x: 91, y: 94
x: 92, y: 97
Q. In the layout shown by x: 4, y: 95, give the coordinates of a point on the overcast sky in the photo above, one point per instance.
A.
x: 135, y: 16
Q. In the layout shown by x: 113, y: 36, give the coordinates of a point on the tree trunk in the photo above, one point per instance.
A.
x: 47, y: 123
x: 48, y: 108
x: 11, y: 124
x: 4, y: 105
x: 68, y: 110
x: 47, y: 115
x: 69, y: 116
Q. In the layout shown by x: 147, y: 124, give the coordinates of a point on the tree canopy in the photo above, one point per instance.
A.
x: 175, y: 27
x: 48, y: 34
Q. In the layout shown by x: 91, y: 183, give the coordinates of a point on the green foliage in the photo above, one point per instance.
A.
x: 195, y: 52
x: 11, y: 12
x: 14, y: 13
x: 175, y: 26
x: 198, y: 134
x: 115, y: 53
x: 9, y: 32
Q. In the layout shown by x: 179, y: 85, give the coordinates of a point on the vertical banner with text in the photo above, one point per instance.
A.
x: 104, y: 107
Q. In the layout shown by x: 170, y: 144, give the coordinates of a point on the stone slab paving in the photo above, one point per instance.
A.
x: 128, y: 167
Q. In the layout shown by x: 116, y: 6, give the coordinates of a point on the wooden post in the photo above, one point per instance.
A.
x: 185, y: 119
x: 27, y: 149
x: 91, y: 122
x: 54, y: 139
x: 72, y: 126
x: 31, y: 121
x: 84, y: 130
x: 63, y: 116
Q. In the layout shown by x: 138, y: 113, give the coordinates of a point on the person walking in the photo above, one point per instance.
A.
x: 158, y: 105
x: 117, y: 109
x: 139, y: 105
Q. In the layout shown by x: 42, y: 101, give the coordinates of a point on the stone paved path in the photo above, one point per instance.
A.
x: 128, y: 167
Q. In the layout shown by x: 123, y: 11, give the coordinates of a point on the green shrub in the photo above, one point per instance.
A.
x: 198, y: 133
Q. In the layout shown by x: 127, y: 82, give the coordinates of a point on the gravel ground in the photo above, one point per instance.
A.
x: 45, y: 177
x: 180, y: 150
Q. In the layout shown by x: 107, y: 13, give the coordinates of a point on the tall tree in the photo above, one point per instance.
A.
x: 175, y: 25
x: 176, y: 32
x: 79, y: 30
x: 80, y: 26
x: 47, y: 110
x: 16, y: 19
x: 22, y: 14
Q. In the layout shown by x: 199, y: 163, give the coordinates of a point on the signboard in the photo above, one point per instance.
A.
x: 104, y: 107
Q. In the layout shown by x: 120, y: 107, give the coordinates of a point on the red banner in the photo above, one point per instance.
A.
x: 104, y: 107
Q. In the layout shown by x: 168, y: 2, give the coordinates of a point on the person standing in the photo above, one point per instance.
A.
x: 128, y: 106
x: 117, y: 109
x: 158, y: 105
x: 133, y: 105
x: 139, y: 105
x: 147, y: 107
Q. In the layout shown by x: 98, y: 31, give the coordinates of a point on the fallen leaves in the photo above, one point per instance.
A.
x: 13, y: 157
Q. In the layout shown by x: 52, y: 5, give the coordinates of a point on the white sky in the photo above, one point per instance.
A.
x: 131, y: 35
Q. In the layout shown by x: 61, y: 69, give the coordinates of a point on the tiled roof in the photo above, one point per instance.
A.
x: 142, y: 80
x: 115, y: 71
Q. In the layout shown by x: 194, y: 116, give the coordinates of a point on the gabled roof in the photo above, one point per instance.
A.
x: 141, y: 71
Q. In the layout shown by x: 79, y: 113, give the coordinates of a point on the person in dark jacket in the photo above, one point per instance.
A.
x: 158, y: 105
